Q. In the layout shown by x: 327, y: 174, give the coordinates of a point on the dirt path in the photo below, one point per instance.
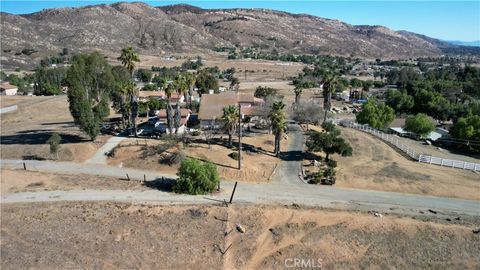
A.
x: 100, y: 157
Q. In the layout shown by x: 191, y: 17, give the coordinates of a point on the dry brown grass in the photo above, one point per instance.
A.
x: 376, y: 166
x: 125, y: 236
x: 25, y: 131
x: 257, y: 167
x: 13, y: 181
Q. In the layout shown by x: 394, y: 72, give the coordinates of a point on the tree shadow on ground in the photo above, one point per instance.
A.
x: 35, y: 137
x: 66, y: 123
x: 162, y: 183
x: 33, y: 157
x: 292, y: 156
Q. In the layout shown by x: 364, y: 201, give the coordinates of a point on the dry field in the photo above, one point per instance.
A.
x: 12, y: 181
x: 257, y: 167
x: 24, y: 132
x: 131, y: 236
x: 376, y: 166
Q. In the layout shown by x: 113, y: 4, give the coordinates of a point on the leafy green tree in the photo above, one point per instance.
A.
x: 376, y: 115
x: 230, y: 116
x: 328, y: 142
x: 49, y: 81
x: 196, y: 177
x: 234, y: 83
x: 278, y: 122
x: 366, y: 85
x: 265, y: 91
x: 400, y: 101
x: 419, y: 124
x: 468, y: 129
x: 189, y: 64
x: 90, y: 83
x: 54, y: 142
x: 205, y: 82
x: 156, y: 104
x: 144, y: 75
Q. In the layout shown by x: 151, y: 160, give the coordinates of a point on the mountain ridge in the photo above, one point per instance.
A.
x: 186, y: 28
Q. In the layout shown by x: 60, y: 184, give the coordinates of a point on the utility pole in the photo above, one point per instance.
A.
x: 239, y: 136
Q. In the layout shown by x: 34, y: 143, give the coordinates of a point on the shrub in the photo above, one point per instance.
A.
x: 329, y: 176
x: 331, y: 163
x: 173, y: 158
x: 196, y: 177
x: 234, y: 155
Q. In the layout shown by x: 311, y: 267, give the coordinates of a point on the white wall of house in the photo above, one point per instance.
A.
x: 10, y: 91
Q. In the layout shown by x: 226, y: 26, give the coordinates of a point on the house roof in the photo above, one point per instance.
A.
x: 183, y: 112
x: 7, y: 85
x: 397, y: 123
x: 211, y: 105
x: 147, y: 94
x: 157, y: 94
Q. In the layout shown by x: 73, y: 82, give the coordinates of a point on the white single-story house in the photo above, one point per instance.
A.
x: 7, y: 89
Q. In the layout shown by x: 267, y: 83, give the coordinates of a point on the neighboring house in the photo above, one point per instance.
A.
x: 160, y: 122
x: 175, y: 97
x: 8, y: 90
x: 211, y: 107
x: 397, y: 125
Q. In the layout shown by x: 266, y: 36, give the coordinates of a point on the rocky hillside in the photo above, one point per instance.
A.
x: 184, y: 28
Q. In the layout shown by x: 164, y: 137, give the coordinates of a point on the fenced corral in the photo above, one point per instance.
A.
x: 393, y: 140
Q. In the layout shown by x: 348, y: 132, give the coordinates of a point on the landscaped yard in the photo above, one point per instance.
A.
x: 258, y: 162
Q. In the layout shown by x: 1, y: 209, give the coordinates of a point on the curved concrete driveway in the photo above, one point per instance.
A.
x: 276, y: 192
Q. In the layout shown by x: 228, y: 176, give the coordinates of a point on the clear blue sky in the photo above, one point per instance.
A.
x: 448, y: 20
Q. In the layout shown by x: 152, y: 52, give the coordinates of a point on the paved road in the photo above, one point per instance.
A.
x: 275, y: 192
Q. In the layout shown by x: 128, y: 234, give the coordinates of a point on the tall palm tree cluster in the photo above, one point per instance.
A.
x: 279, y: 124
x: 128, y: 57
x: 182, y: 85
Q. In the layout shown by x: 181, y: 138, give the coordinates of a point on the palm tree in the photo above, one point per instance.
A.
x: 230, y: 116
x: 126, y: 90
x: 329, y: 85
x: 181, y: 88
x: 298, y: 91
x: 190, y: 80
x: 128, y: 57
x: 279, y: 124
x: 169, y: 91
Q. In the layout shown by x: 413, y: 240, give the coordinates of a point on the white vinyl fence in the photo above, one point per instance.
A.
x: 8, y: 109
x: 410, y: 152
